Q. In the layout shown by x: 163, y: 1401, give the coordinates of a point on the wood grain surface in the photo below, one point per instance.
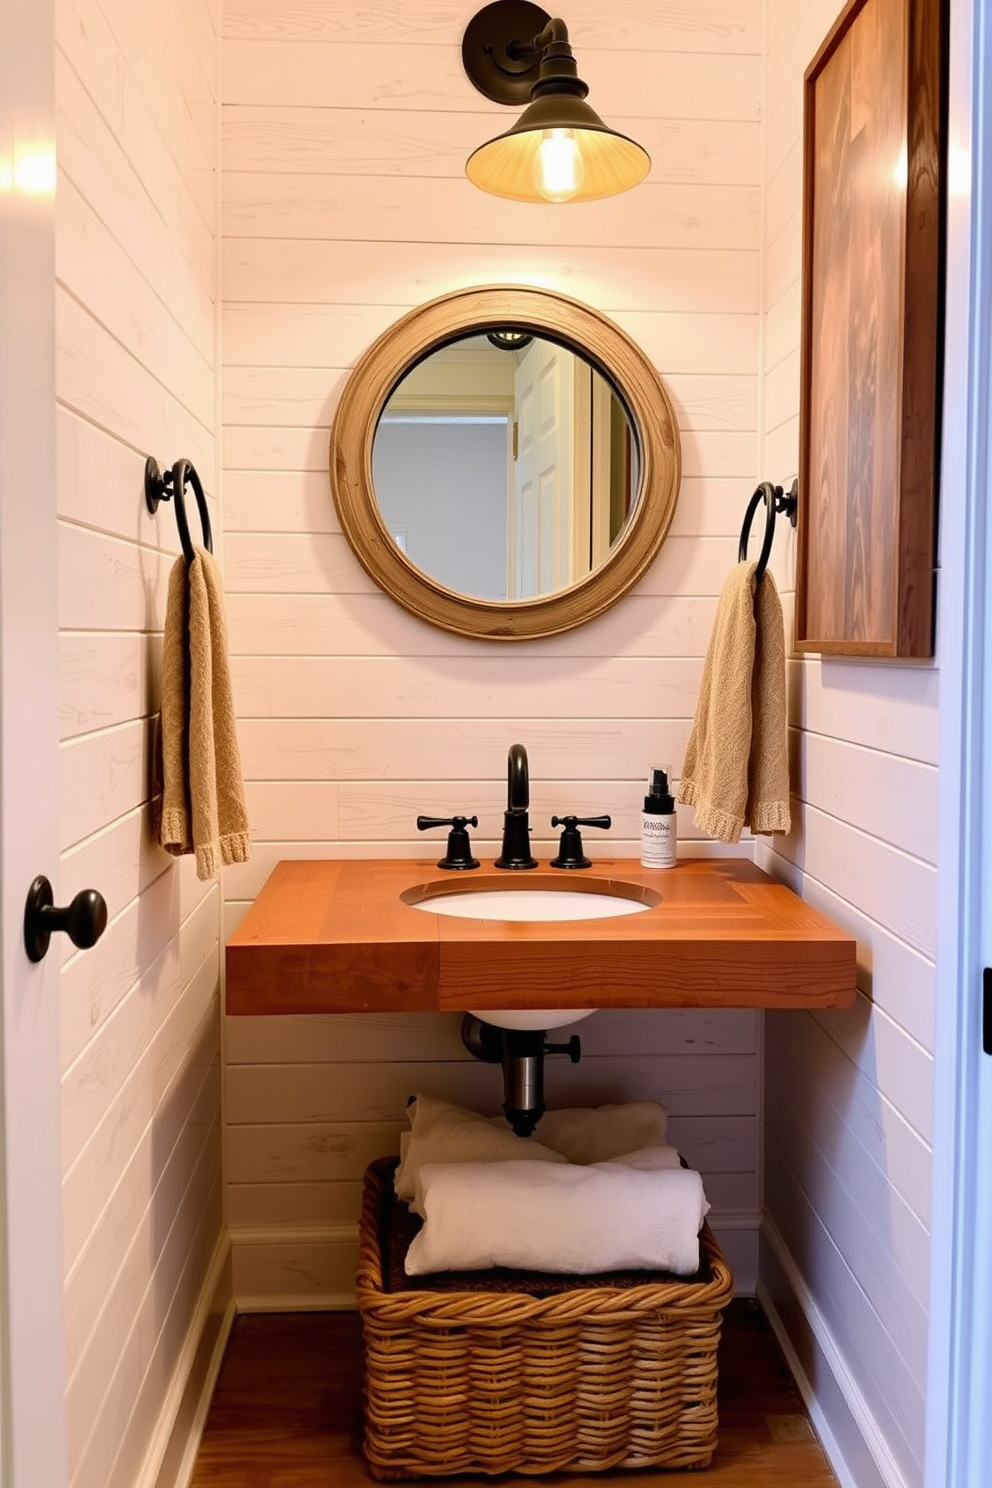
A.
x: 344, y: 936
x: 287, y: 1411
x: 871, y: 325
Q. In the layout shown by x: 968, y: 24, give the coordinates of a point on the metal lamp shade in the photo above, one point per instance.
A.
x: 611, y: 162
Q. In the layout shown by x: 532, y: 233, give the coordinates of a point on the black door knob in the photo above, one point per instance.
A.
x: 84, y: 920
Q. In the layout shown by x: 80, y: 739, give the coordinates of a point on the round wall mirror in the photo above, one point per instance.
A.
x: 505, y: 463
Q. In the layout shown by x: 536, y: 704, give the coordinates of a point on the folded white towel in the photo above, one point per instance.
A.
x: 578, y: 1220
x: 589, y: 1136
x: 444, y: 1133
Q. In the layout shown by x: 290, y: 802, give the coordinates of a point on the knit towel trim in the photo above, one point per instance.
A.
x: 771, y: 816
x: 233, y: 847
x: 725, y: 826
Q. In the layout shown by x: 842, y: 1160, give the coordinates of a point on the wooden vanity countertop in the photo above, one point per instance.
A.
x: 335, y: 936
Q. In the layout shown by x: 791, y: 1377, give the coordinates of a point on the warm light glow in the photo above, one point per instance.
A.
x: 29, y: 172
x: 900, y: 171
x: 558, y: 167
x: 959, y: 171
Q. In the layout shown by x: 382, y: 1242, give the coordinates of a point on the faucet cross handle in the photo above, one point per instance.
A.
x: 570, y: 854
x: 459, y: 853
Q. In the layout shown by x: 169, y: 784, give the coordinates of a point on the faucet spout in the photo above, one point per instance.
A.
x: 517, y: 779
x: 516, y: 851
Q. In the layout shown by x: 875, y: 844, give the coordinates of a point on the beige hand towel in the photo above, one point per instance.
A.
x: 735, y: 770
x: 203, y: 806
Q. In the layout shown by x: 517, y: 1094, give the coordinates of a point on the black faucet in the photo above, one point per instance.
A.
x: 516, y: 826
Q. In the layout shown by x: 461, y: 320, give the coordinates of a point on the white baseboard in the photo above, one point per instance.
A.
x: 313, y: 1269
x: 171, y: 1456
x: 854, y: 1445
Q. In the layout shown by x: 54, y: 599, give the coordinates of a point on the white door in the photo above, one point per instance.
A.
x: 959, y: 1383
x: 32, y: 1424
x: 540, y: 516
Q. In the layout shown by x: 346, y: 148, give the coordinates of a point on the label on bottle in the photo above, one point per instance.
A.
x: 658, y: 840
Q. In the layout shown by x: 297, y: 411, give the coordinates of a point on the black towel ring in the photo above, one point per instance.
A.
x: 172, y: 487
x: 775, y: 501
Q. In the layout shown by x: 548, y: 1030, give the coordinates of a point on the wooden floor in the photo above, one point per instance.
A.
x: 287, y: 1413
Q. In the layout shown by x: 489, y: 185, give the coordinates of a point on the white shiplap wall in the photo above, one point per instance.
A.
x: 136, y: 374
x: 345, y: 129
x: 848, y: 1096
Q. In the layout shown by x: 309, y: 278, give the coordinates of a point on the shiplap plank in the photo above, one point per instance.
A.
x: 785, y: 186
x: 718, y: 454
x: 91, y: 1081
x: 383, y: 687
x: 444, y: 210
x: 89, y: 461
x: 837, y: 1095
x: 890, y: 1392
x: 178, y: 266
x: 106, y: 679
x: 89, y: 1183
x: 338, y: 1152
x: 294, y: 1205
x: 94, y: 269
x: 664, y: 25
x: 781, y: 385
x: 894, y: 709
x: 131, y: 1295
x: 898, y: 979
x: 782, y: 328
x: 343, y: 141
x: 703, y: 1084
x: 891, y: 798
x: 303, y: 271
x: 305, y: 397
x: 152, y: 1184
x: 313, y: 811
x: 361, y: 75
x: 122, y: 861
x: 373, y: 625
x: 317, y: 563
x: 124, y: 61
x: 336, y: 334
x: 105, y: 584
x: 100, y: 379
x: 363, y: 1038
x: 888, y: 885
x: 318, y: 749
x: 102, y: 777
x: 885, y: 1053
x: 156, y: 1342
x: 840, y: 1178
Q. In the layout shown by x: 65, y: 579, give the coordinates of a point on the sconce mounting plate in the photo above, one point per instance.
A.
x: 485, y: 49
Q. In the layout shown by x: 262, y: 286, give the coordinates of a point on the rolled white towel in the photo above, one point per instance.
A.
x: 602, y: 1132
x: 578, y: 1220
x: 445, y: 1133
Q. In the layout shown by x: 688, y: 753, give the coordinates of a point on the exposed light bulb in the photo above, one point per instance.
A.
x: 558, y: 168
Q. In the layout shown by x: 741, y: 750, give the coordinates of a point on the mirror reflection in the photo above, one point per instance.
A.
x: 505, y: 466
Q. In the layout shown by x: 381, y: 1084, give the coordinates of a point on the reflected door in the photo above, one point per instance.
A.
x: 540, y: 525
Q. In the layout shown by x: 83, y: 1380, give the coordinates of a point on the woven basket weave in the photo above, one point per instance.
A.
x: 588, y: 1379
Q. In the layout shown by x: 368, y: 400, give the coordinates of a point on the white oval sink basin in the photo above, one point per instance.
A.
x: 530, y: 904
x: 531, y: 1018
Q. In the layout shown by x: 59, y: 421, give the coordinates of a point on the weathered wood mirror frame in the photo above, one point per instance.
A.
x: 574, y: 325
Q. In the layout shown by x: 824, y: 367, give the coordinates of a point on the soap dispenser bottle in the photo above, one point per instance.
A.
x: 659, y: 835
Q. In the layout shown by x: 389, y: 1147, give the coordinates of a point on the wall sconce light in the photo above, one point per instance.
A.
x: 559, y: 149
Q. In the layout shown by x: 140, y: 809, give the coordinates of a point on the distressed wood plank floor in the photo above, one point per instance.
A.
x: 287, y: 1413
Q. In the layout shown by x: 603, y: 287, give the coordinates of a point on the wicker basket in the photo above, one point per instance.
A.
x: 593, y: 1377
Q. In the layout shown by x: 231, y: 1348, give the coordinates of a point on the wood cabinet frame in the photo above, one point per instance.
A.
x: 872, y: 330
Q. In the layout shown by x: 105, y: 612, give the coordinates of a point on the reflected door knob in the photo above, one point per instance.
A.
x: 84, y: 920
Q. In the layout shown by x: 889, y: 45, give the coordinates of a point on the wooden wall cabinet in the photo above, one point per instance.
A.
x: 872, y: 327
